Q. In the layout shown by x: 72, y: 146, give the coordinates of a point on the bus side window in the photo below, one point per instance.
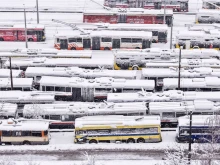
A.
x: 16, y: 133
x: 36, y: 133
x: 79, y: 40
x: 155, y: 33
x: 58, y: 40
x: 6, y: 133
x: 126, y: 40
x: 136, y: 40
x: 72, y: 39
x: 45, y: 133
x: 47, y: 117
x: 54, y: 117
x: 68, y: 89
x: 49, y: 88
x: 26, y: 133
x: 43, y: 88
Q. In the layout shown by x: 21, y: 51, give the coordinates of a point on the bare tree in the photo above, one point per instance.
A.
x: 35, y: 112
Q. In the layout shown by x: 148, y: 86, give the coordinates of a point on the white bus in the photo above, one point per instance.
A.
x: 211, y: 4
x: 38, y: 72
x: 93, y: 89
x: 65, y: 114
x: 59, y: 62
x: 22, y: 84
x: 104, y: 40
x: 129, y: 129
x: 24, y: 132
x: 171, y: 111
x: 27, y: 97
x: 207, y: 16
x: 5, y: 73
x: 159, y: 32
x: 165, y: 96
x: 8, y: 110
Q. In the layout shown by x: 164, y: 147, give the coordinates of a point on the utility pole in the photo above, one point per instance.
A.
x: 25, y: 24
x: 11, y: 74
x: 179, y: 69
x: 190, y: 139
x: 164, y: 15
x: 37, y: 12
x: 171, y: 35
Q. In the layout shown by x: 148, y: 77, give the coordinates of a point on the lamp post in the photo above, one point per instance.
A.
x: 164, y: 15
x: 37, y: 12
x: 190, y: 138
x: 179, y: 68
x: 11, y: 74
x: 25, y: 25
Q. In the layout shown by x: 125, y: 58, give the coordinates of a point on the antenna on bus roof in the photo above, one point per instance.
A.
x: 73, y: 26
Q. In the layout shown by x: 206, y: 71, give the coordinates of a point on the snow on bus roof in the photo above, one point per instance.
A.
x: 115, y: 121
x: 108, y: 33
x: 17, y: 82
x: 30, y: 26
x: 191, y: 33
x: 10, y: 125
x: 8, y: 109
x: 106, y: 82
x: 128, y: 11
x: 134, y: 26
x: 5, y: 73
x: 208, y: 11
x: 211, y: 1
x: 207, y: 82
x: 197, y: 120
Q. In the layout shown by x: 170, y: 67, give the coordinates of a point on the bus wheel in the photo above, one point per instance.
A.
x: 130, y: 141
x: 106, y: 48
x: 93, y: 141
x: 73, y: 48
x: 26, y: 143
x: 141, y: 140
x: 30, y: 39
x: 1, y: 39
x: 135, y: 68
x: 137, y: 48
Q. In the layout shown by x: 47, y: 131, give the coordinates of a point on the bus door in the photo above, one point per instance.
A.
x: 40, y: 36
x: 86, y: 43
x: 146, y: 44
x: 116, y: 44
x: 96, y: 43
x: 76, y: 94
x: 162, y: 37
x: 63, y: 44
x: 169, y: 20
x: 157, y: 5
x: 122, y: 18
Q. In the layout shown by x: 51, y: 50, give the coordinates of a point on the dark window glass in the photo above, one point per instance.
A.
x: 43, y: 88
x: 126, y: 40
x: 17, y: 89
x: 36, y: 133
x: 58, y: 40
x: 31, y: 32
x: 159, y: 18
x: 106, y: 40
x: 72, y: 39
x: 68, y: 89
x: 26, y: 133
x: 47, y: 117
x: 6, y: 133
x: 16, y: 133
x: 60, y: 89
x: 136, y: 40
x: 79, y: 40
x: 54, y: 117
x: 49, y: 88
x: 155, y: 33
x: 45, y: 133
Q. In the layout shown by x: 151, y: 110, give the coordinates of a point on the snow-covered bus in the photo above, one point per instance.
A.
x: 22, y: 84
x: 63, y: 115
x: 128, y: 129
x: 131, y: 16
x: 93, y: 89
x: 24, y: 132
x: 37, y: 72
x: 204, y: 129
x: 211, y: 4
x: 5, y: 73
x: 159, y: 32
x: 59, y: 62
x: 27, y: 97
x: 171, y: 111
x: 134, y: 60
x: 207, y: 16
x: 103, y: 40
x: 165, y: 96
x: 8, y: 110
x: 176, y: 5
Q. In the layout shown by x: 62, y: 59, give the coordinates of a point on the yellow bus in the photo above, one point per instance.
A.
x: 128, y: 129
x: 24, y: 132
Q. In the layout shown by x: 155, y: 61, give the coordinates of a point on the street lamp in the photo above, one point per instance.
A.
x: 37, y: 12
x: 190, y: 138
x: 25, y: 24
x: 179, y: 67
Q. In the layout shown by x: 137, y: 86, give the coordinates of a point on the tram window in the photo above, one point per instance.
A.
x: 54, y: 117
x: 60, y: 89
x: 79, y: 40
x: 49, y: 88
x: 68, y: 89
x: 25, y: 133
x: 136, y: 40
x: 36, y: 133
x: 106, y: 40
x: 126, y: 40
x: 6, y: 133
x: 155, y: 33
x: 72, y: 39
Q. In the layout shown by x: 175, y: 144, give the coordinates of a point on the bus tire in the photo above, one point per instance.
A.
x: 1, y: 39
x: 140, y: 140
x: 130, y: 140
x: 137, y: 48
x: 106, y: 48
x: 26, y: 143
x: 135, y: 68
x: 93, y: 141
x: 30, y: 39
x: 73, y: 48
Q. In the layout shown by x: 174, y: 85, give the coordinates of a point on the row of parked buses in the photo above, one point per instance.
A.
x: 176, y: 5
